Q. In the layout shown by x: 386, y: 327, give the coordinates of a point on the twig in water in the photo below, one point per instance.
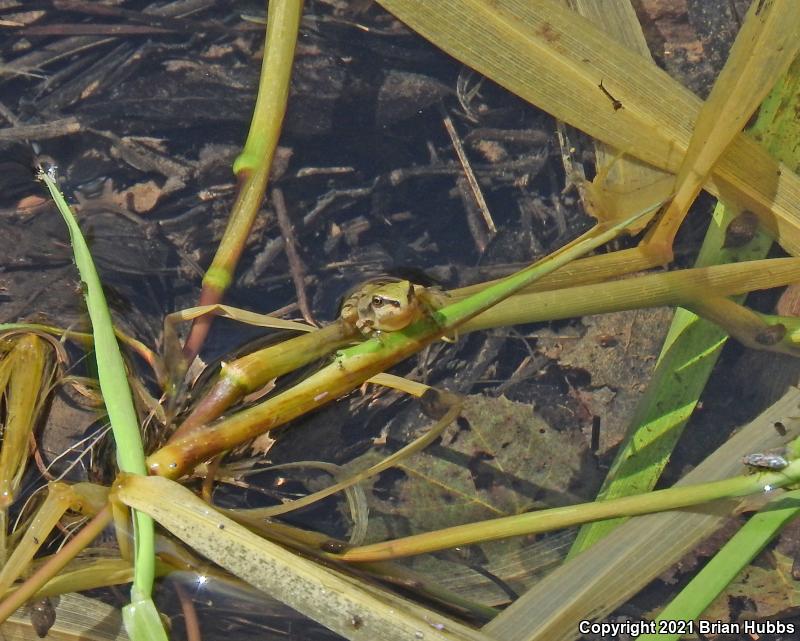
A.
x: 477, y: 194
x: 296, y: 267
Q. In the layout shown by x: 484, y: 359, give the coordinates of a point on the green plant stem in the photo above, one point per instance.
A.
x: 252, y: 167
x: 751, y: 328
x: 562, y: 517
x: 355, y: 365
x: 244, y: 375
x: 350, y: 369
x: 682, y: 287
x: 456, y: 314
x: 249, y: 373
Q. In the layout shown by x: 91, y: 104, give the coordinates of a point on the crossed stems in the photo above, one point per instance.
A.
x: 472, y: 308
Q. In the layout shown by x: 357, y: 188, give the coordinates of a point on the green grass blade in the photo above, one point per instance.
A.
x: 283, y: 20
x: 124, y: 422
x: 728, y: 562
x: 110, y: 365
x: 557, y: 518
x: 142, y: 620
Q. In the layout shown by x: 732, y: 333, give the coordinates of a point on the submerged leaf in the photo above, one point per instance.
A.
x: 501, y: 458
x: 770, y: 590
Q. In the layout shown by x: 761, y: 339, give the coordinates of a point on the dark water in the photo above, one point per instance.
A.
x: 372, y: 186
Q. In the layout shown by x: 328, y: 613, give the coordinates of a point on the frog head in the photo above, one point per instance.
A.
x: 383, y: 305
x: 392, y: 305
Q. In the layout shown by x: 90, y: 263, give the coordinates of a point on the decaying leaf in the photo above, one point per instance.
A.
x: 500, y: 458
x: 763, y: 591
x: 613, y: 350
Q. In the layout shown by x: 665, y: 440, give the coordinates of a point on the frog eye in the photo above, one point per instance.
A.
x: 380, y: 301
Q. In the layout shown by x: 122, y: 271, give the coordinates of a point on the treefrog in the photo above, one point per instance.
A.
x: 387, y: 304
